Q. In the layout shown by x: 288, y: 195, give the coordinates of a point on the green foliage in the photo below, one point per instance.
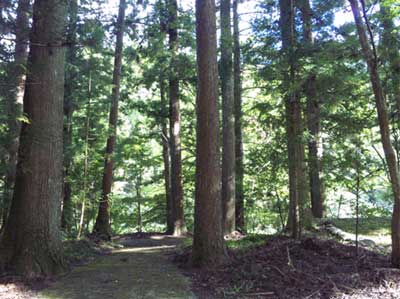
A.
x: 368, y: 226
x: 251, y: 240
x: 350, y: 137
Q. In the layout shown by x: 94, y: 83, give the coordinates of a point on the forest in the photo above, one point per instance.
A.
x: 199, y: 149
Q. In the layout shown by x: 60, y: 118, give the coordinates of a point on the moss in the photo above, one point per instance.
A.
x: 127, y: 273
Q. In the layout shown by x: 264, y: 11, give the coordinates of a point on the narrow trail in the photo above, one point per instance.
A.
x: 140, y: 270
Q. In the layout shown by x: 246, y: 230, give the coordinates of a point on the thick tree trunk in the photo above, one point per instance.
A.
x: 166, y: 157
x: 14, y: 98
x: 175, y: 123
x: 237, y: 94
x: 228, y: 121
x: 102, y: 225
x: 208, y: 242
x: 70, y: 86
x: 313, y: 117
x: 297, y: 188
x: 31, y: 243
x: 383, y: 119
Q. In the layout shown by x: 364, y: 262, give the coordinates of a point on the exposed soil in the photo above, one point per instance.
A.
x: 310, y: 268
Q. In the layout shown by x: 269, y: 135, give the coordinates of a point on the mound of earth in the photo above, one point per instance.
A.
x: 310, y: 268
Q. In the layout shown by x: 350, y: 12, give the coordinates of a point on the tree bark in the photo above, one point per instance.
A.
x: 293, y: 119
x: 166, y: 157
x: 208, y: 242
x: 391, y: 55
x: 81, y: 226
x: 383, y: 119
x: 175, y: 123
x: 102, y: 225
x: 237, y: 94
x: 13, y: 103
x: 70, y: 86
x: 31, y: 243
x: 313, y: 117
x: 139, y: 203
x: 228, y: 121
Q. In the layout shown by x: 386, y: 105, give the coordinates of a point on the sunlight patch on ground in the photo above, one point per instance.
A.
x: 144, y: 249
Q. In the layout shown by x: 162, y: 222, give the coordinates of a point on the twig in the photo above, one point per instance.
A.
x: 279, y: 271
x: 290, y: 264
x: 260, y: 294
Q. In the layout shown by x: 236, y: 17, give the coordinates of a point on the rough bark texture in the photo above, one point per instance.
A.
x: 31, y: 243
x: 14, y: 98
x: 175, y: 123
x: 313, y: 117
x: 166, y: 157
x: 208, y: 242
x: 237, y: 94
x: 228, y: 121
x: 383, y: 119
x: 294, y: 120
x: 102, y: 225
x: 70, y: 85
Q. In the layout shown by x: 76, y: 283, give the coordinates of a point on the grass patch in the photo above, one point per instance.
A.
x: 373, y: 226
x: 80, y: 251
x: 247, y: 242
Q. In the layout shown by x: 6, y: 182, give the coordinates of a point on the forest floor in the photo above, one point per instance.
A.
x: 155, y: 266
x: 319, y: 265
x: 138, y: 268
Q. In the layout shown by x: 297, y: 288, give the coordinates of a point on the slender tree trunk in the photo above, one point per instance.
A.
x: 228, y: 121
x: 383, y: 119
x: 31, y: 243
x: 166, y: 156
x: 175, y: 123
x: 237, y: 94
x: 14, y: 98
x: 294, y: 120
x: 70, y: 86
x: 139, y: 203
x: 313, y: 117
x: 102, y: 225
x: 208, y: 242
x: 81, y: 226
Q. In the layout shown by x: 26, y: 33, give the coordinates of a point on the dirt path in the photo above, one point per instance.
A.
x: 140, y: 270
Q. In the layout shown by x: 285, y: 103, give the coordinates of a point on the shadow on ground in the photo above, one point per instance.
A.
x: 139, y: 270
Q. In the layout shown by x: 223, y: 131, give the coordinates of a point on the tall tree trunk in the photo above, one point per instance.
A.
x: 166, y: 156
x: 383, y: 119
x: 31, y: 243
x: 391, y: 55
x: 293, y: 118
x: 237, y: 95
x: 313, y: 117
x: 228, y: 121
x: 81, y: 226
x: 102, y: 225
x: 14, y: 98
x: 208, y: 242
x: 70, y: 86
x: 175, y: 123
